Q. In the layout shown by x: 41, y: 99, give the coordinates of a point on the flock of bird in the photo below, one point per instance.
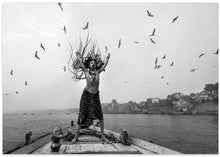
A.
x: 36, y: 55
x: 153, y: 34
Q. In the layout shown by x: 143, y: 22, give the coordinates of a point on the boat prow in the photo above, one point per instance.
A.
x: 88, y: 144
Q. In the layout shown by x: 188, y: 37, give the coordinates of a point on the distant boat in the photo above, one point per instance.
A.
x: 50, y: 113
x: 67, y: 113
x: 32, y: 113
x: 25, y: 114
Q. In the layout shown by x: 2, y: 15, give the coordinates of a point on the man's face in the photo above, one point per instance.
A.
x: 92, y: 65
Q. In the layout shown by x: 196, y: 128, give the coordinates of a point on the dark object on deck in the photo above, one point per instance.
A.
x: 124, y: 137
x: 72, y: 123
x: 28, y: 137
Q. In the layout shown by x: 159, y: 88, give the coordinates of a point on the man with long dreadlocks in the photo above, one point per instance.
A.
x: 90, y: 106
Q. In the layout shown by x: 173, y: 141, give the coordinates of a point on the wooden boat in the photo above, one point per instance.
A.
x: 88, y: 144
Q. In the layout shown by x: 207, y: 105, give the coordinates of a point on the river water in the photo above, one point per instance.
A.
x: 191, y: 134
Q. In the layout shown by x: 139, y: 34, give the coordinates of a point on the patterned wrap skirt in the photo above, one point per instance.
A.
x: 90, y: 108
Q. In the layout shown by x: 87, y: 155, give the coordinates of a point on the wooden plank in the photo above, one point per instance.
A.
x: 43, y: 149
x: 123, y: 148
x: 152, y: 147
x: 73, y: 149
x: 99, y: 147
x: 62, y: 149
x: 86, y: 148
x: 142, y: 150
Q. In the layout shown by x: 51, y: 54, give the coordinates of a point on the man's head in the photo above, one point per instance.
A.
x: 92, y: 65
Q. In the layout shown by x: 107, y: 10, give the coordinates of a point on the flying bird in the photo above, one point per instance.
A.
x: 156, y: 61
x: 152, y: 41
x: 172, y: 64
x: 106, y: 49
x: 60, y: 4
x: 16, y: 92
x: 7, y: 94
x: 192, y: 70
x: 158, y: 66
x: 36, y: 55
x: 64, y: 29
x: 149, y: 14
x: 42, y: 46
x: 58, y: 44
x: 175, y: 19
x: 119, y: 43
x: 155, y: 66
x: 164, y: 57
x: 167, y: 83
x: 26, y: 83
x: 136, y: 42
x: 153, y: 33
x: 11, y: 72
x: 201, y: 55
x: 216, y: 52
x: 126, y: 82
x: 162, y: 77
x: 64, y: 68
x: 87, y: 26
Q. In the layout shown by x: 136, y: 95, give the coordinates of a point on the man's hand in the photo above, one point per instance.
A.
x: 108, y: 56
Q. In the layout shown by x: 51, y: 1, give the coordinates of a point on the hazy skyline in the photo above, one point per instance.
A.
x: 26, y: 25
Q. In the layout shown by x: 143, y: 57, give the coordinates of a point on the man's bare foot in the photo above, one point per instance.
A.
x: 74, y: 140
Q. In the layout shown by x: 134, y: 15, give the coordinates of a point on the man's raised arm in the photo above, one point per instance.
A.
x: 105, y: 64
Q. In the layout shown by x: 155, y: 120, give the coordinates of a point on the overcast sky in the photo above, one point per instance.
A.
x: 26, y: 25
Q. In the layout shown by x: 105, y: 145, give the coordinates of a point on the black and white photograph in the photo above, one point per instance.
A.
x: 110, y: 78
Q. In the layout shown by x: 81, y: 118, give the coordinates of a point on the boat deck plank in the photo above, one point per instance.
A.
x: 44, y: 149
x: 122, y: 148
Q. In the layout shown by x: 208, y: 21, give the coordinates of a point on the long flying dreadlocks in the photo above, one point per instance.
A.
x: 86, y: 55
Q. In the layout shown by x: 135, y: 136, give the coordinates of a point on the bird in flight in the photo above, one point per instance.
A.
x: 16, y: 92
x: 153, y: 33
x: 6, y: 94
x: 192, y: 70
x: 26, y: 83
x: 162, y: 77
x: 155, y: 66
x: 216, y: 52
x: 156, y: 60
x: 201, y: 55
x: 11, y: 72
x: 58, y: 44
x: 136, y: 42
x: 87, y: 26
x: 167, y: 83
x: 158, y: 66
x: 149, y: 14
x: 64, y: 68
x: 172, y: 64
x: 42, y: 46
x: 106, y: 49
x: 175, y: 19
x: 164, y: 57
x: 64, y: 29
x: 119, y: 43
x: 60, y: 4
x: 152, y: 41
x: 36, y: 55
x: 126, y: 82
